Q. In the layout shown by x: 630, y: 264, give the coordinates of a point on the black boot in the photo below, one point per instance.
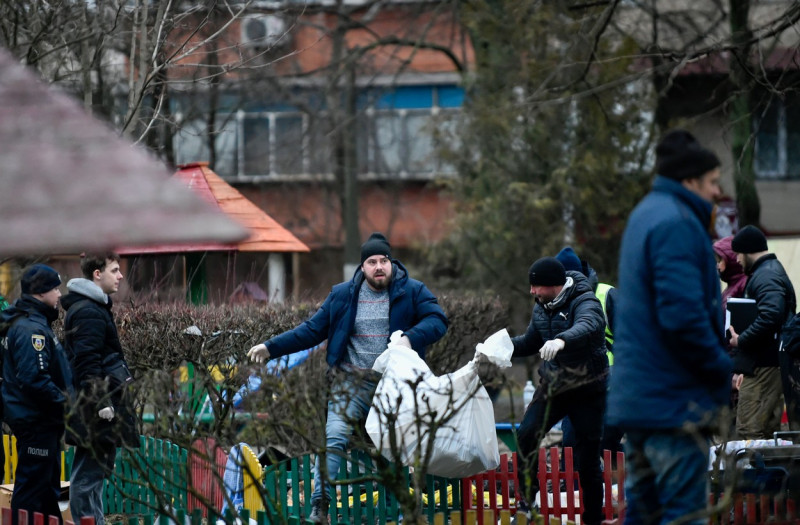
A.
x: 319, y: 512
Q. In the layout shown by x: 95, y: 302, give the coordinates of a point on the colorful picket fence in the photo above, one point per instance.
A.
x: 161, y: 480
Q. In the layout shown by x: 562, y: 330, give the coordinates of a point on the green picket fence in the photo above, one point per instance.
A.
x: 150, y: 478
x: 288, y: 488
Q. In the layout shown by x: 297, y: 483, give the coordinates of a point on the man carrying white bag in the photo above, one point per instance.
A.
x: 411, y: 404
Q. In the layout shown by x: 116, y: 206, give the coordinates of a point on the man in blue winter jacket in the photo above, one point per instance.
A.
x: 357, y: 321
x: 36, y: 385
x: 671, y: 370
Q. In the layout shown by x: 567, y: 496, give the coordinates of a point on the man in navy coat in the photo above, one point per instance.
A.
x: 37, y: 383
x: 671, y: 371
x: 357, y: 321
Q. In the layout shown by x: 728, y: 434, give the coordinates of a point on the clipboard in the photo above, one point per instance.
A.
x: 740, y: 313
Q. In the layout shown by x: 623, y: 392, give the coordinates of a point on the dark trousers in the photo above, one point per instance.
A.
x: 612, y: 439
x: 37, y: 480
x: 585, y: 406
x: 90, y: 468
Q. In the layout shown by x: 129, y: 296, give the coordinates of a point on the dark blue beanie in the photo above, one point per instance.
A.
x: 570, y: 260
x: 39, y: 279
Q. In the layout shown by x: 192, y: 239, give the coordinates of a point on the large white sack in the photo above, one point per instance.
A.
x: 411, y: 403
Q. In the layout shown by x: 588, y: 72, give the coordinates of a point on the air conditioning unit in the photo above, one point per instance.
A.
x: 263, y: 31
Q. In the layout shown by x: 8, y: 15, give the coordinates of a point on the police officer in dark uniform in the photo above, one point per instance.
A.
x: 36, y: 384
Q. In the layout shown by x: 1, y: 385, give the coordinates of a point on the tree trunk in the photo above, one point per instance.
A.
x: 740, y: 115
x: 352, y: 242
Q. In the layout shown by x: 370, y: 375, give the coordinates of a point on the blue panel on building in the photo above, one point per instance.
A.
x: 406, y: 97
x: 450, y: 96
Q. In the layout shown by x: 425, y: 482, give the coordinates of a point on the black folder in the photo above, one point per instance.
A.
x: 742, y: 313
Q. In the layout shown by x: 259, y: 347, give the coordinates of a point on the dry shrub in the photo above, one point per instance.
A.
x: 288, y: 410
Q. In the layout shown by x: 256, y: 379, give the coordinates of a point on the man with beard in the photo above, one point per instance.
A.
x: 567, y: 330
x: 757, y: 356
x: 36, y: 385
x: 357, y: 321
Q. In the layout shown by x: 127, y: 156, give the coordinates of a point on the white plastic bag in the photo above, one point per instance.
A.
x: 497, y: 349
x: 411, y: 403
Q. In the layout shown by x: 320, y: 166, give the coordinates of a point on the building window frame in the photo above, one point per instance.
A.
x: 775, y: 131
x: 369, y: 165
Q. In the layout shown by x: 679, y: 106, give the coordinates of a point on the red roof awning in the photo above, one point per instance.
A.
x: 266, y: 235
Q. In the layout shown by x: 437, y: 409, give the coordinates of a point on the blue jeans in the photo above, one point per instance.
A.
x: 349, y: 403
x: 667, y: 477
x: 89, y: 471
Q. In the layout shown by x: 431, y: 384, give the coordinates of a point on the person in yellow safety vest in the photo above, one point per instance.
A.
x: 607, y: 293
x: 604, y: 292
x: 612, y: 436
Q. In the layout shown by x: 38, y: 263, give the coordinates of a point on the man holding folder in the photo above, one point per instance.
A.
x: 758, y: 414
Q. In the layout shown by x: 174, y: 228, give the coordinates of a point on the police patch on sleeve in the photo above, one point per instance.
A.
x: 38, y: 342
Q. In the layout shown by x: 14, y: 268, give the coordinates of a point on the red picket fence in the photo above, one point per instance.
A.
x: 38, y: 518
x: 473, y: 495
x: 495, y: 489
x: 206, y: 469
x: 756, y: 509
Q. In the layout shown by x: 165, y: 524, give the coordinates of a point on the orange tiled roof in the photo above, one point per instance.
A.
x: 266, y: 234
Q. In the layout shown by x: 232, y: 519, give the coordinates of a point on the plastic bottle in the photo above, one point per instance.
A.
x: 527, y: 393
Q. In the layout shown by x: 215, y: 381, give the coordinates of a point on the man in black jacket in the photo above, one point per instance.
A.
x: 567, y: 330
x: 35, y: 389
x: 102, y: 418
x: 756, y: 359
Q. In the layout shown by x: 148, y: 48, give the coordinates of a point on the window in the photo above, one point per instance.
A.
x: 777, y: 155
x: 289, y: 150
x: 191, y: 144
x: 403, y: 129
x: 255, y: 136
x: 398, y: 134
x: 404, y: 143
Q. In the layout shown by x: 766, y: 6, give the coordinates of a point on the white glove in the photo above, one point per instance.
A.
x: 551, y: 348
x: 106, y: 413
x: 258, y: 353
x: 405, y: 341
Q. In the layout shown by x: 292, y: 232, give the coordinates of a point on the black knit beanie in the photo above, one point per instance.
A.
x: 547, y: 271
x: 375, y: 245
x: 39, y: 279
x: 749, y: 240
x: 679, y: 156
